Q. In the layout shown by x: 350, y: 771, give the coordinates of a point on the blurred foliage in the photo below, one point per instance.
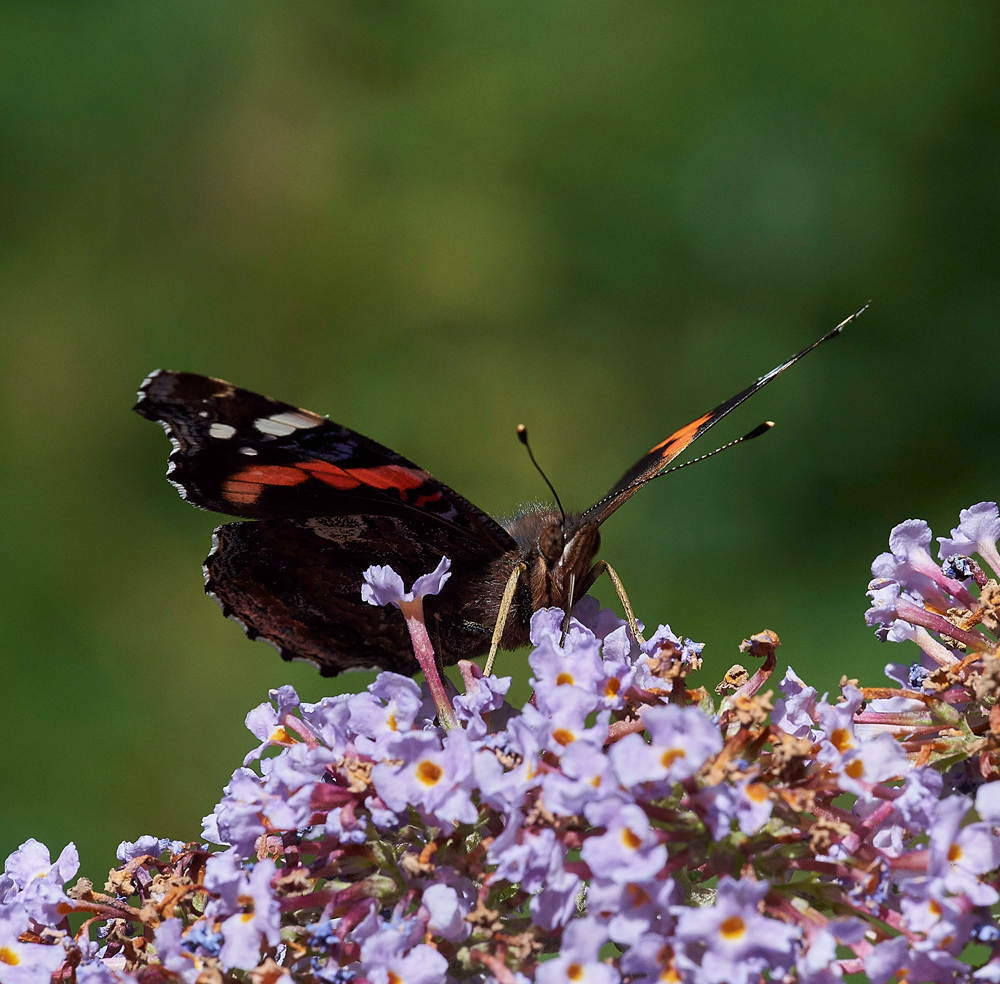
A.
x: 433, y: 222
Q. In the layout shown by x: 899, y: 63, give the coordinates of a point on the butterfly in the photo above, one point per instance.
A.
x: 323, y: 503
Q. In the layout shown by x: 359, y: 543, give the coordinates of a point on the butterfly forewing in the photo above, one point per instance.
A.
x: 246, y: 455
x: 655, y: 461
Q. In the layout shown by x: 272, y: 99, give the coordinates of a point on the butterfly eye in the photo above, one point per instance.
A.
x: 550, y: 543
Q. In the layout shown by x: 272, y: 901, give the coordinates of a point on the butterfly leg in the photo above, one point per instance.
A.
x: 570, y: 598
x: 601, y: 567
x: 505, y: 602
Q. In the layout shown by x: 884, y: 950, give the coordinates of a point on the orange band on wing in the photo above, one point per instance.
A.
x: 270, y: 475
x: 241, y: 493
x: 245, y: 487
x: 329, y: 474
x: 381, y: 477
x: 684, y: 436
x: 389, y: 477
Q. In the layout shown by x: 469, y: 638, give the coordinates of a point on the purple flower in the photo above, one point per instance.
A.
x: 885, y: 594
x: 683, y: 739
x: 859, y: 764
x: 918, y: 801
x: 174, y: 956
x: 941, y: 921
x: 908, y: 542
x: 579, y: 961
x: 446, y: 911
x: 563, y: 720
x: 896, y: 958
x: 873, y: 761
x: 329, y: 721
x: 960, y: 854
x: 98, y: 972
x: 483, y: 696
x: 731, y: 941
x: 261, y: 918
x: 36, y: 882
x: 505, y: 790
x: 988, y: 802
x: 629, y: 850
x: 268, y: 725
x: 523, y: 857
x: 651, y: 959
x: 890, y: 608
x: 386, y: 711
x: 394, y: 955
x: 578, y: 664
x: 818, y: 964
x: 837, y: 725
x: 603, y: 622
x: 978, y: 530
x: 127, y: 850
x: 662, y: 642
x: 433, y: 776
x: 32, y: 861
x: 236, y: 820
x: 225, y: 877
x: 747, y: 802
x: 632, y: 909
x: 584, y: 777
x: 422, y: 965
x: 24, y: 963
x: 796, y: 712
x: 556, y: 903
x: 383, y: 586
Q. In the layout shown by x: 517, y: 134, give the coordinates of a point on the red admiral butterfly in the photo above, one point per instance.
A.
x: 328, y: 503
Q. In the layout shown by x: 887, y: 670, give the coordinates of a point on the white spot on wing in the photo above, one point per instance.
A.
x: 283, y: 424
x: 268, y: 426
x: 248, y: 451
x: 202, y: 413
x: 299, y: 419
x: 221, y: 431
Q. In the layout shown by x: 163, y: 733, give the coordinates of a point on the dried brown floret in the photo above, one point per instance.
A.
x: 735, y: 677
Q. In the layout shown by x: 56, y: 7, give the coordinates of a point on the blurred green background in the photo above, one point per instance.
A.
x: 434, y: 221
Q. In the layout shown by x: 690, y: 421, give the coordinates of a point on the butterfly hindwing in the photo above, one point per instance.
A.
x: 297, y: 584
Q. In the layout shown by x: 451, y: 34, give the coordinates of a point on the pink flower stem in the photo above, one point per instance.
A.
x: 413, y: 612
x: 916, y: 615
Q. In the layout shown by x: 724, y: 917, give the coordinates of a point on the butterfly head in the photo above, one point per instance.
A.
x: 554, y: 547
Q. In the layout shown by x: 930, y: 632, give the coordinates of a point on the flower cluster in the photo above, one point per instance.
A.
x: 622, y: 826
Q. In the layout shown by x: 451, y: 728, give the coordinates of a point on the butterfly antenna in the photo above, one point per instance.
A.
x: 756, y: 432
x: 522, y: 436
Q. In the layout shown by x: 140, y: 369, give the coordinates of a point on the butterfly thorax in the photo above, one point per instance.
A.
x: 556, y: 552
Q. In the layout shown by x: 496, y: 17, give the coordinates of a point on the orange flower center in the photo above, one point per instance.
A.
x: 733, y: 928
x: 671, y: 755
x: 429, y: 773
